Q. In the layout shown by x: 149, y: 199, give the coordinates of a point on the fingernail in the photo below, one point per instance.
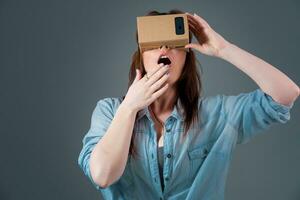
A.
x: 166, y: 65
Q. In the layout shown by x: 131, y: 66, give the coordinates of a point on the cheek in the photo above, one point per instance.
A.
x: 180, y: 60
x: 145, y: 58
x: 148, y: 61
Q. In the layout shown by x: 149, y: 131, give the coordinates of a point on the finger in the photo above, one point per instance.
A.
x: 199, y: 36
x: 195, y: 23
x: 201, y: 20
x: 196, y: 29
x: 198, y: 19
x: 159, y: 83
x: 157, y: 75
x: 194, y: 46
x: 137, y: 75
x: 145, y: 77
x: 150, y: 73
x: 156, y: 94
x: 157, y: 68
x: 189, y: 14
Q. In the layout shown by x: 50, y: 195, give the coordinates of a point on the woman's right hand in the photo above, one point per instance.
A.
x: 143, y: 92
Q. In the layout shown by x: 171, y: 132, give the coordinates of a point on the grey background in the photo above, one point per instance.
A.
x: 58, y: 58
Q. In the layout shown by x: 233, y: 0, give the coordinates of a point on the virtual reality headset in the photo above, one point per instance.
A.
x: 171, y: 30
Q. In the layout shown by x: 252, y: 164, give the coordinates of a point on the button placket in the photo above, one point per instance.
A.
x: 154, y: 165
x: 168, y: 139
x: 169, y: 125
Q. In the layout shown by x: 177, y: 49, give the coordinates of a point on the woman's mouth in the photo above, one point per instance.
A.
x: 165, y: 60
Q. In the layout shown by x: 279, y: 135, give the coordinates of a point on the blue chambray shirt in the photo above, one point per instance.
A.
x: 194, y: 168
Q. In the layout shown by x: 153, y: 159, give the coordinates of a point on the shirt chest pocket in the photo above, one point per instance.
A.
x: 197, y: 156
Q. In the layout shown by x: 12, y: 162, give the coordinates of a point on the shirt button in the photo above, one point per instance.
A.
x: 169, y: 155
x: 167, y: 178
x: 168, y: 129
x: 155, y: 179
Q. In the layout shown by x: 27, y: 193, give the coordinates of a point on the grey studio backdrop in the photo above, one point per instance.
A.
x: 58, y: 58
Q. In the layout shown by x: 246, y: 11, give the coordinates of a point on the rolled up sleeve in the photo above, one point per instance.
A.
x: 101, y: 118
x: 251, y: 113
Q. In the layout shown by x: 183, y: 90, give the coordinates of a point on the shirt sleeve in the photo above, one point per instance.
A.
x: 251, y: 113
x: 101, y: 118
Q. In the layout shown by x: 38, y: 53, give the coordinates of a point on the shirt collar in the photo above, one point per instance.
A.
x: 177, y: 111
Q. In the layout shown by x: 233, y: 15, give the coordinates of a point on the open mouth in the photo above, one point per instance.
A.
x: 165, y: 60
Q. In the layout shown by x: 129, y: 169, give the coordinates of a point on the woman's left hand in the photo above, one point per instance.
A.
x: 209, y: 42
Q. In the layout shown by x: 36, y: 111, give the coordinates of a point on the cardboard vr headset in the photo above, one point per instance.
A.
x: 155, y: 31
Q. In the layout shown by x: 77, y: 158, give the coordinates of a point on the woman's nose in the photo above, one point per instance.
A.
x: 164, y: 47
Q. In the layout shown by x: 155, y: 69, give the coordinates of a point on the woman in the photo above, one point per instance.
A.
x: 143, y: 146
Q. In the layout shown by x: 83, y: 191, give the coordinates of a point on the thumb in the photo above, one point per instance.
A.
x: 194, y: 46
x: 137, y: 76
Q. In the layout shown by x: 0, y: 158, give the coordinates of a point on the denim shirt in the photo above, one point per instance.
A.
x: 195, y: 167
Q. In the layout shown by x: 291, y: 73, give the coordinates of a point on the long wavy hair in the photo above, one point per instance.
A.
x: 188, y: 86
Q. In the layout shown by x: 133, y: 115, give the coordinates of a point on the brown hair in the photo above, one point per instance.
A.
x: 189, y: 86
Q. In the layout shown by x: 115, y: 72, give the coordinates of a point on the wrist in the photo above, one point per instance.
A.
x: 127, y: 108
x: 225, y: 50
